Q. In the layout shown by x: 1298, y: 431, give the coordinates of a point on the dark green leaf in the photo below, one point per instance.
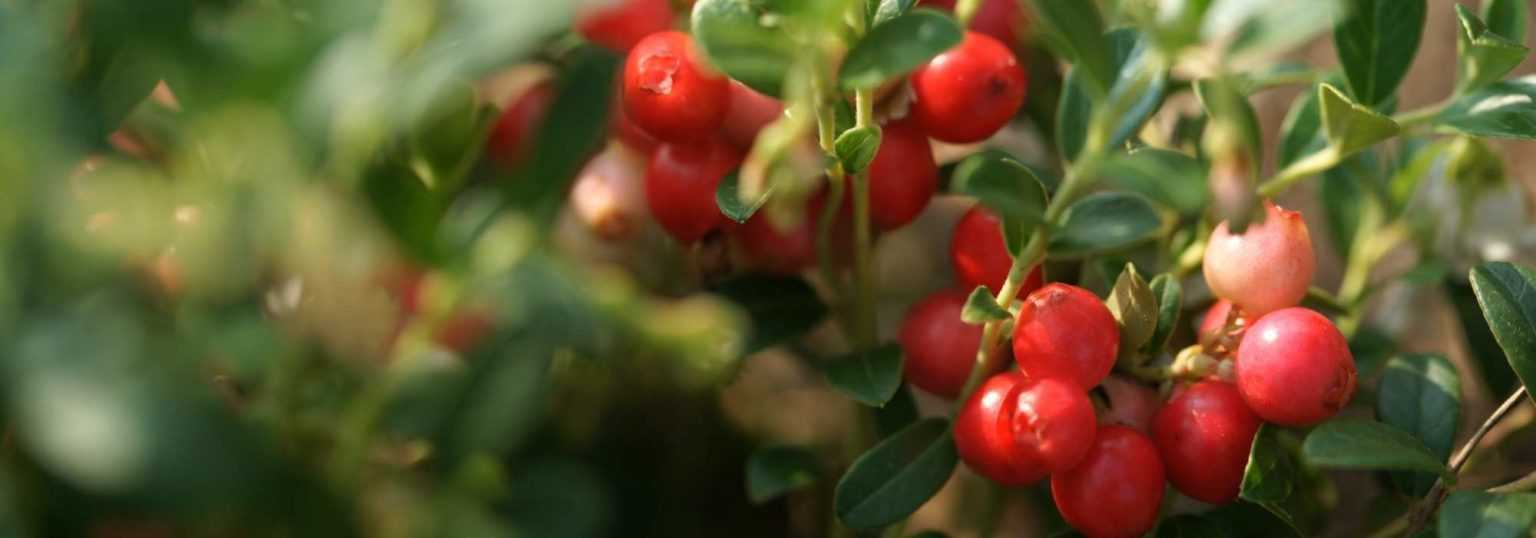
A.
x: 1507, y: 295
x: 1507, y: 18
x: 1346, y: 202
x: 890, y: 9
x: 897, y: 476
x: 1168, y: 177
x: 897, y: 414
x: 1269, y: 480
x: 871, y: 376
x: 1009, y: 189
x: 1301, y: 133
x: 1376, y: 44
x: 981, y: 307
x: 856, y: 147
x: 1077, y: 28
x: 728, y: 198
x: 1170, y: 301
x: 1105, y: 222
x: 1135, y: 308
x: 1134, y: 95
x: 1190, y: 526
x: 1501, y: 110
x: 1495, y: 370
x: 732, y: 35
x: 1349, y: 126
x: 1421, y: 394
x: 780, y: 307
x: 897, y: 47
x: 773, y: 471
x: 1364, y: 444
x: 572, y: 130
x: 1478, y: 514
x: 1485, y: 56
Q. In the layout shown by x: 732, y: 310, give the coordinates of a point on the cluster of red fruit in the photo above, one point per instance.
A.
x: 1277, y: 363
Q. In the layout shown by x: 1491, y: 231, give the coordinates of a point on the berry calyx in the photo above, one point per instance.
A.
x: 1294, y: 368
x: 903, y: 176
x: 1215, y: 320
x: 1065, y: 332
x: 969, y: 92
x: 979, y: 253
x: 621, y: 24
x: 1204, y: 435
x: 1016, y: 431
x: 940, y: 348
x: 515, y: 129
x: 670, y: 92
x: 1116, y: 491
x: 1267, y: 268
x: 680, y: 185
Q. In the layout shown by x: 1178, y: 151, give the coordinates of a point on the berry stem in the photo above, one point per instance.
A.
x: 863, y: 274
x: 1308, y: 166
x: 1431, y: 503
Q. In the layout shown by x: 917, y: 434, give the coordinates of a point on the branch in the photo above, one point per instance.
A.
x: 1431, y: 502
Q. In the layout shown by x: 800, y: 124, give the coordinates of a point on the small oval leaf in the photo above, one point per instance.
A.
x: 1376, y: 44
x: 773, y: 471
x: 1170, y: 302
x: 856, y: 147
x: 1364, y: 444
x: 1421, y: 394
x: 1479, y: 514
x: 871, y: 376
x: 981, y: 307
x: 897, y: 476
x: 1507, y: 295
x: 1008, y: 188
x: 728, y: 198
x: 1105, y: 222
x: 780, y: 307
x: 896, y: 47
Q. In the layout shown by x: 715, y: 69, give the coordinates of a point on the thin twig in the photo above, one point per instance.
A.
x: 1431, y: 502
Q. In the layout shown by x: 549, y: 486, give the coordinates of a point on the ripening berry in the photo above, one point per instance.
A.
x: 515, y: 129
x: 619, y: 24
x: 1204, y: 435
x: 671, y: 92
x: 608, y: 195
x: 940, y: 348
x: 1294, y: 368
x: 980, y: 256
x: 1065, y: 332
x: 969, y: 92
x: 1131, y: 404
x: 749, y: 112
x: 903, y: 176
x: 1117, y: 489
x: 680, y: 186
x: 1267, y: 268
x: 1015, y: 431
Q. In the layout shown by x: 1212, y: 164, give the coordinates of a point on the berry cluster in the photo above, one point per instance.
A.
x: 1268, y: 360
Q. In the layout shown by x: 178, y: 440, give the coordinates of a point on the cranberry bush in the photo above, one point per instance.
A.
x: 476, y: 267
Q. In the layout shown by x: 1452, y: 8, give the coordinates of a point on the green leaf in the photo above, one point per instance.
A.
x: 981, y: 307
x: 897, y: 47
x: 1133, y: 97
x: 1190, y: 526
x: 1507, y: 295
x: 890, y: 9
x: 1501, y: 110
x: 1170, y: 301
x: 1485, y: 56
x: 1260, y: 27
x: 897, y: 414
x: 1349, y: 126
x: 897, y: 476
x: 773, y: 471
x: 1077, y: 29
x: 1364, y: 444
x: 1105, y: 222
x: 1229, y: 109
x: 1300, y: 133
x: 1346, y: 202
x: 1165, y: 176
x: 572, y: 130
x: 856, y: 147
x: 1496, y: 371
x: 1135, y: 308
x: 1008, y: 188
x: 780, y: 307
x: 1478, y: 514
x: 1269, y: 480
x: 870, y: 376
x: 1376, y: 44
x: 1421, y: 394
x: 733, y: 36
x: 1372, y: 348
x: 728, y: 198
x: 1507, y: 18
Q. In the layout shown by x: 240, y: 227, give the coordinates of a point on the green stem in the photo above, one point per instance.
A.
x: 863, y: 254
x: 1413, y: 118
x: 1306, y: 167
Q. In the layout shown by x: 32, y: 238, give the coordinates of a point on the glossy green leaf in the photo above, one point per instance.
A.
x: 1376, y: 44
x: 1269, y: 480
x: 732, y: 34
x: 871, y: 376
x: 1507, y: 295
x: 1478, y: 514
x: 780, y: 307
x: 887, y: 10
x: 1485, y: 56
x: 1135, y: 308
x: 1421, y: 394
x: 1105, y: 222
x: 1500, y: 110
x: 1301, y: 132
x: 773, y: 471
x: 981, y: 307
x: 893, y: 479
x: 1170, y: 302
x: 1077, y: 28
x: 1363, y: 444
x: 897, y: 414
x: 1134, y: 95
x: 728, y: 198
x: 1349, y: 126
x: 1372, y: 348
x: 1010, y: 189
x: 1259, y: 27
x: 856, y: 147
x: 1507, y: 18
x: 897, y: 47
x: 1165, y: 176
x: 1495, y: 369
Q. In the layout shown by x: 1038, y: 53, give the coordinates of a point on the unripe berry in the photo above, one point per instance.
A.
x: 1015, y: 431
x: 670, y: 92
x: 620, y: 24
x: 1294, y: 368
x: 1204, y: 435
x: 1267, y: 268
x: 1131, y: 404
x: 940, y: 348
x: 1065, y: 332
x: 969, y: 92
x: 979, y: 253
x: 749, y: 112
x: 1117, y: 489
x: 903, y: 176
x: 518, y: 125
x: 680, y: 186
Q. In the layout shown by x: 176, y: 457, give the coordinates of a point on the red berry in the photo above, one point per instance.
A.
x: 984, y: 433
x: 1267, y: 268
x: 620, y: 24
x: 1065, y: 332
x: 1053, y: 423
x: 680, y: 186
x: 749, y: 113
x: 903, y: 176
x: 969, y: 92
x: 1131, y: 404
x: 621, y: 128
x: 515, y: 130
x: 940, y: 348
x: 670, y: 92
x: 1000, y: 19
x: 608, y: 194
x: 1294, y: 368
x: 1204, y: 435
x: 980, y: 256
x: 787, y: 252
x: 1016, y: 431
x: 1116, y: 491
